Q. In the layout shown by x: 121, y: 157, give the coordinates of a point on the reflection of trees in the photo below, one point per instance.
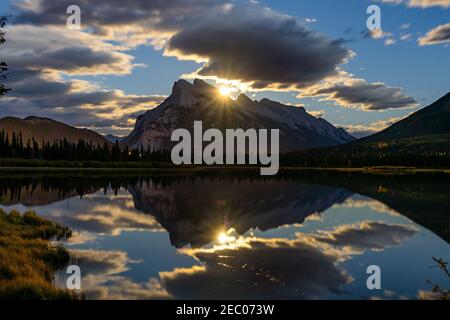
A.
x: 424, y: 198
x: 192, y: 207
x: 45, y: 189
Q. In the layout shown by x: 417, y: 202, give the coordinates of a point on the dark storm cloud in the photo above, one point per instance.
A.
x: 65, y: 59
x: 101, y: 14
x: 254, y: 44
x: 241, y: 40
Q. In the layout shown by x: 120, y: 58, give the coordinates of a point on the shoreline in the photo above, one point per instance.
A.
x: 379, y: 170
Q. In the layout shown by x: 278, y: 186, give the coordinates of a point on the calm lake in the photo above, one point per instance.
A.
x: 301, y: 235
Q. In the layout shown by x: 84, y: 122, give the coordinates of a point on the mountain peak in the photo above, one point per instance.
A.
x: 243, y: 98
x: 202, y: 85
x: 197, y: 87
x: 188, y: 94
x: 181, y: 85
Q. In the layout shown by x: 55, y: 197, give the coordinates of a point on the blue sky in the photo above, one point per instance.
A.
x: 419, y: 72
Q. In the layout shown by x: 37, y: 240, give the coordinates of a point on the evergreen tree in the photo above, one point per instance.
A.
x: 3, y: 65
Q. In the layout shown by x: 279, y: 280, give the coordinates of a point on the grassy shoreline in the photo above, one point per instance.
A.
x: 29, y: 259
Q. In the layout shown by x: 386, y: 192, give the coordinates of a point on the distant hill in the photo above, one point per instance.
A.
x: 112, y: 138
x: 432, y: 120
x: 44, y: 129
x: 201, y: 101
x: 420, y: 140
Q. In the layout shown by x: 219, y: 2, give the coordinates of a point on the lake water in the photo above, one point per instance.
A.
x: 302, y: 235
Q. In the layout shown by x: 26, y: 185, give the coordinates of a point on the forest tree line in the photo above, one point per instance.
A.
x: 14, y: 147
x: 365, y: 155
x: 356, y: 159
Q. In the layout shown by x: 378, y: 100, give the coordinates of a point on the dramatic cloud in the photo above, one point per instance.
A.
x: 76, y: 102
x: 229, y: 38
x: 352, y: 92
x: 234, y: 46
x: 260, y: 269
x: 131, y: 22
x: 303, y: 268
x: 107, y: 111
x: 157, y: 13
x: 41, y: 58
x: 59, y: 49
x: 44, y: 56
x: 440, y: 34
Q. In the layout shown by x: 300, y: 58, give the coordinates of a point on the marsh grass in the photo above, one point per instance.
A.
x: 28, y: 259
x: 440, y: 292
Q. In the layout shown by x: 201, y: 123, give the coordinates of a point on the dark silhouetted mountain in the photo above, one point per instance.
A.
x: 194, y: 214
x: 420, y: 140
x: 432, y: 120
x: 44, y: 129
x: 202, y: 102
x: 112, y: 138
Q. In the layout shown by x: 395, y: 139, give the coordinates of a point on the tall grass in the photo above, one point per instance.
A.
x: 28, y: 259
x: 438, y: 291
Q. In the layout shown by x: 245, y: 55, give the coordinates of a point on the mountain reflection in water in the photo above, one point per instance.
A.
x: 302, y: 235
